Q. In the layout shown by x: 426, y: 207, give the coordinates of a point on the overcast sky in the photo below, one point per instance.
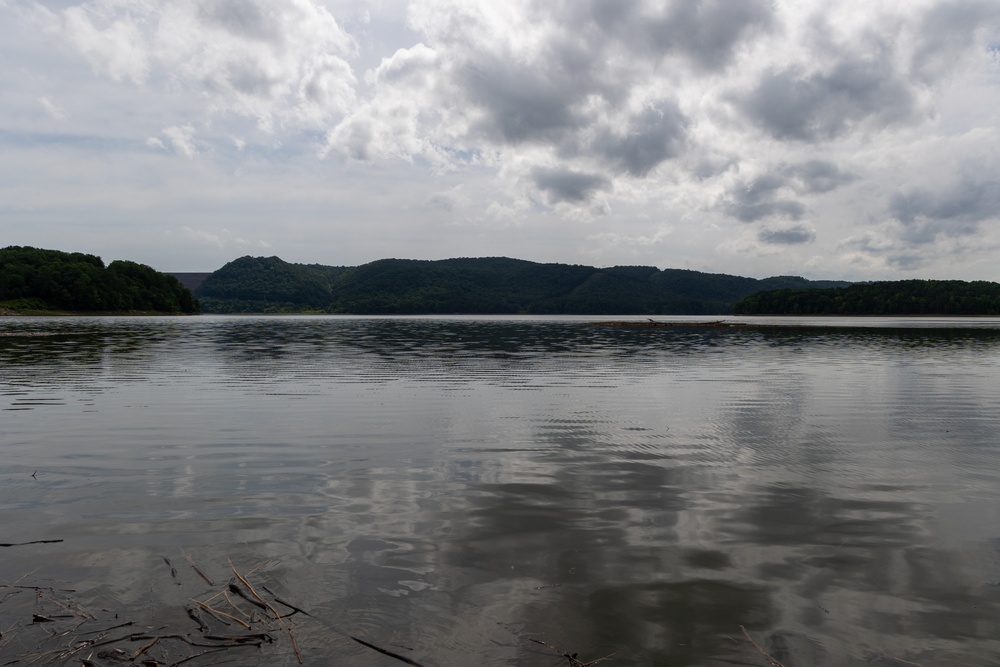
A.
x: 857, y: 139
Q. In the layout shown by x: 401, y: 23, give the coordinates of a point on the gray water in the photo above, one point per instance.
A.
x: 453, y: 489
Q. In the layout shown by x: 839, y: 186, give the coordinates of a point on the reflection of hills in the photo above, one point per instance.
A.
x: 453, y: 486
x: 532, y: 353
x: 517, y: 352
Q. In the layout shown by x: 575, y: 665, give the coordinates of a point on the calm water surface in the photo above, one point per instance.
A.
x: 452, y: 488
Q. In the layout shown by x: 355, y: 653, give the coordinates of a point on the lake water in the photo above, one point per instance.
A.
x: 463, y: 491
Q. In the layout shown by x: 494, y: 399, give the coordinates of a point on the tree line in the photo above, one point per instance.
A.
x: 38, y: 279
x: 901, y: 297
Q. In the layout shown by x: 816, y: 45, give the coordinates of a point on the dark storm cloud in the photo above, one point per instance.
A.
x: 927, y: 216
x: 441, y: 202
x: 817, y: 176
x: 705, y: 32
x: 790, y: 104
x: 906, y: 261
x: 708, y: 31
x: 522, y: 103
x: 796, y: 235
x: 357, y: 140
x: 548, y: 98
x: 564, y: 185
x: 949, y: 29
x: 243, y: 18
x: 894, y: 254
x: 769, y: 195
x: 249, y: 78
x: 655, y: 135
x: 761, y: 198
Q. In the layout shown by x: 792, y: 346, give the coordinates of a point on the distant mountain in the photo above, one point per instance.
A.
x: 487, y: 285
x: 189, y: 279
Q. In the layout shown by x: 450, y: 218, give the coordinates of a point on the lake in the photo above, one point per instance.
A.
x: 500, y: 491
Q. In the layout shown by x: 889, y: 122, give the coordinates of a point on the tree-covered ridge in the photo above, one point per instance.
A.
x: 270, y: 280
x: 37, y: 279
x: 902, y: 297
x: 487, y: 285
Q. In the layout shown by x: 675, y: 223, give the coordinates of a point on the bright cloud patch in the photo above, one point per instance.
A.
x: 276, y: 61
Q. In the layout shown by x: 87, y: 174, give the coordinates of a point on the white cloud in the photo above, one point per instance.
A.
x: 204, y: 236
x: 181, y: 140
x: 222, y: 239
x: 280, y: 61
x: 643, y: 241
x: 113, y: 43
x: 52, y: 109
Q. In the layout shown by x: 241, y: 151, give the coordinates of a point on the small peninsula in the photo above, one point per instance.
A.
x: 37, y: 281
x: 898, y: 297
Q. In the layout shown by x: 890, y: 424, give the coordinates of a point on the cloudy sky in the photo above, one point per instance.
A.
x: 856, y: 139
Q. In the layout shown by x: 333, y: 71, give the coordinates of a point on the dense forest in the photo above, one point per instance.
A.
x: 33, y: 279
x: 903, y: 297
x: 490, y: 285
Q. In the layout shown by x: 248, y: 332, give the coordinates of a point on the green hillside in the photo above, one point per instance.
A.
x: 32, y: 279
x: 488, y: 285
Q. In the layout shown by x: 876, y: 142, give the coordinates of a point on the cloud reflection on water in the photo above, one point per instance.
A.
x: 452, y: 485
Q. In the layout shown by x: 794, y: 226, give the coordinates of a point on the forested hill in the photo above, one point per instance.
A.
x: 901, y: 297
x: 36, y: 280
x: 490, y: 285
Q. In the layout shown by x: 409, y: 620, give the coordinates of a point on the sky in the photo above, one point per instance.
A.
x: 854, y: 140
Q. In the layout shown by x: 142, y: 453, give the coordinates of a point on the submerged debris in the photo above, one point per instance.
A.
x: 232, y: 617
x: 61, y: 631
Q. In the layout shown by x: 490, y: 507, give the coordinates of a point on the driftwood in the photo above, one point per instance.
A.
x: 70, y: 634
x: 249, y: 619
x: 770, y: 659
x: 71, y: 639
x: 21, y: 544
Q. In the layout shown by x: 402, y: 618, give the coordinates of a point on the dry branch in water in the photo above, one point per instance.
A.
x: 21, y: 544
x: 201, y: 573
x: 773, y: 661
x: 62, y: 632
x: 277, y: 616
